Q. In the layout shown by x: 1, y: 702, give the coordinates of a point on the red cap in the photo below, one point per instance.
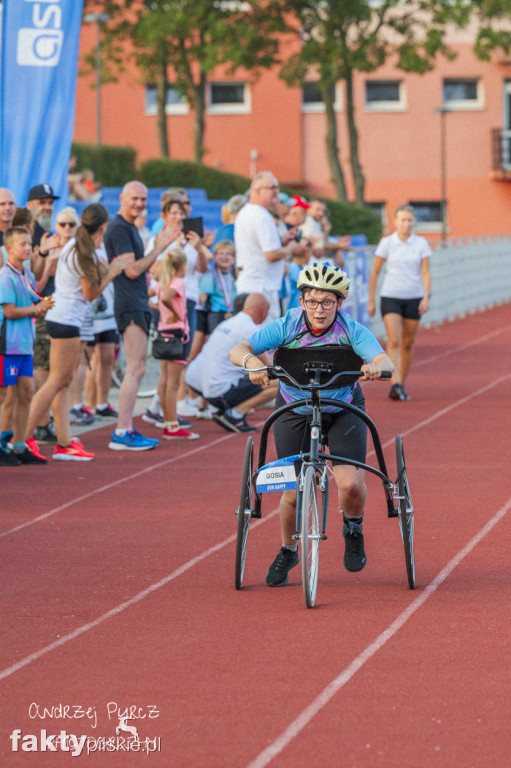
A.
x: 297, y: 201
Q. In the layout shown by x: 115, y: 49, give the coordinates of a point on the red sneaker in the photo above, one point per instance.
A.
x: 33, y: 447
x: 73, y: 452
x: 179, y: 434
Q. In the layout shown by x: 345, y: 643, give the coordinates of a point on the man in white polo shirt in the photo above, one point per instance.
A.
x: 213, y: 375
x: 260, y: 249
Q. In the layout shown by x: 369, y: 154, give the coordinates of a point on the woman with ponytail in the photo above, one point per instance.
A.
x: 80, y: 278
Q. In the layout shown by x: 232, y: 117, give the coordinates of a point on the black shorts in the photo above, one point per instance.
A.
x: 208, y: 321
x: 407, y: 308
x: 237, y: 394
x: 61, y: 331
x: 136, y: 316
x: 346, y: 433
x: 104, y: 337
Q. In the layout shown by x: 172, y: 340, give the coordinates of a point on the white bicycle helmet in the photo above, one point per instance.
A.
x: 324, y: 277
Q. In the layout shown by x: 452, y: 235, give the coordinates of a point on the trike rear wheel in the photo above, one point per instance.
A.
x: 244, y: 513
x: 405, y: 512
x: 310, y: 536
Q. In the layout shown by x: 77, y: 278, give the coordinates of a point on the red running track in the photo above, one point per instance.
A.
x: 118, y: 595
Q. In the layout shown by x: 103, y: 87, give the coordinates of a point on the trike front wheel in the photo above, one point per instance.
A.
x: 310, y: 536
x: 244, y: 513
x: 405, y: 512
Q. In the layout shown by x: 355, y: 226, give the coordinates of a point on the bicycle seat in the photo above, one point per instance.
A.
x: 302, y: 363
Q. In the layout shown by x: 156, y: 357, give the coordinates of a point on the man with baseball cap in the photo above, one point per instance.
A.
x: 40, y: 202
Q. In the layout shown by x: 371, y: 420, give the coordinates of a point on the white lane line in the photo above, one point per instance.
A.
x: 128, y: 603
x: 170, y: 577
x: 108, y: 486
x: 201, y: 448
x: 304, y: 718
x: 84, y: 497
x: 451, y: 407
x: 461, y: 347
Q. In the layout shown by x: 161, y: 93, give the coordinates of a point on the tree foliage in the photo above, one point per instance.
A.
x: 334, y: 40
x: 339, y: 38
x: 191, y: 38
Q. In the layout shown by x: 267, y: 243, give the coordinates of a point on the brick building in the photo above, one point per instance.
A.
x: 267, y: 125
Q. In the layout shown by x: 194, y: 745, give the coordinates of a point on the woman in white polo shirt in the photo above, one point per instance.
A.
x: 404, y: 294
x: 80, y: 278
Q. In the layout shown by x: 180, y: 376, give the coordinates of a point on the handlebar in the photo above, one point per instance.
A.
x: 277, y: 372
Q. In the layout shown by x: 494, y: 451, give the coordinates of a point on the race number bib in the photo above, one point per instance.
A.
x: 277, y: 476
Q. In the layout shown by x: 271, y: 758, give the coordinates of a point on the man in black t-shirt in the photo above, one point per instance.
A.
x: 131, y: 307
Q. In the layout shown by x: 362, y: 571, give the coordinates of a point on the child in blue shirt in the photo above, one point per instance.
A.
x: 19, y: 303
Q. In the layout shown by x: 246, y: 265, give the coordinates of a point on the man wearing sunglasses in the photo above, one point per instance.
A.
x: 260, y: 250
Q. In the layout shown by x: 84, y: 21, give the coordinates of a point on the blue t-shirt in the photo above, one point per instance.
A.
x: 294, y: 294
x: 16, y: 336
x: 220, y: 287
x: 292, y: 331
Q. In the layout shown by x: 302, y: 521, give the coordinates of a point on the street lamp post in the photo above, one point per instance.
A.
x: 98, y: 19
x: 443, y: 111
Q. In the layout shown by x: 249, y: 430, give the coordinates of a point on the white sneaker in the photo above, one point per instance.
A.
x: 184, y: 408
x: 206, y: 413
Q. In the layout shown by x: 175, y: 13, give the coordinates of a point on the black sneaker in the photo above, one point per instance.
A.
x: 397, y: 392
x: 278, y: 575
x: 46, y: 435
x: 8, y: 459
x: 184, y: 423
x: 153, y: 418
x: 232, y: 424
x: 107, y: 412
x: 354, y: 553
x: 27, y: 457
x: 404, y: 395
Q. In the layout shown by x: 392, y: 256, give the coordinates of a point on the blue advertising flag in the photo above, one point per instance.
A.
x: 39, y: 61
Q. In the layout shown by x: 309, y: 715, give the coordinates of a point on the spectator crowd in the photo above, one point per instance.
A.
x: 72, y: 289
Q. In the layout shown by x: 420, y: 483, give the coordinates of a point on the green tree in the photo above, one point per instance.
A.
x: 339, y: 38
x: 191, y: 38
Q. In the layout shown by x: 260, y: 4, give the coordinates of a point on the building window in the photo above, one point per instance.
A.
x: 311, y: 97
x: 229, y: 98
x: 175, y: 103
x: 381, y: 210
x: 462, y: 93
x: 428, y: 215
x: 384, y: 95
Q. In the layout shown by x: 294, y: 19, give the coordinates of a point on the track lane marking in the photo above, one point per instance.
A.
x: 191, y: 563
x: 201, y: 448
x: 277, y: 746
x: 107, y: 487
x: 127, y: 603
x: 84, y: 497
x: 461, y: 347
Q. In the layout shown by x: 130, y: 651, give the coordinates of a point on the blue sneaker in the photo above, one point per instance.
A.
x: 131, y: 441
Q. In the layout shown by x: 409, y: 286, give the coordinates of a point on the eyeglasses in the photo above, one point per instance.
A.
x: 66, y: 223
x: 273, y: 186
x: 313, y: 304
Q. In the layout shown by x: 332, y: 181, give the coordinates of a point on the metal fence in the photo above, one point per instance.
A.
x: 467, y: 275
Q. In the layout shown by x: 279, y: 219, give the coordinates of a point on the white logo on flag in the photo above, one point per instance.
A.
x: 39, y: 48
x: 41, y: 44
